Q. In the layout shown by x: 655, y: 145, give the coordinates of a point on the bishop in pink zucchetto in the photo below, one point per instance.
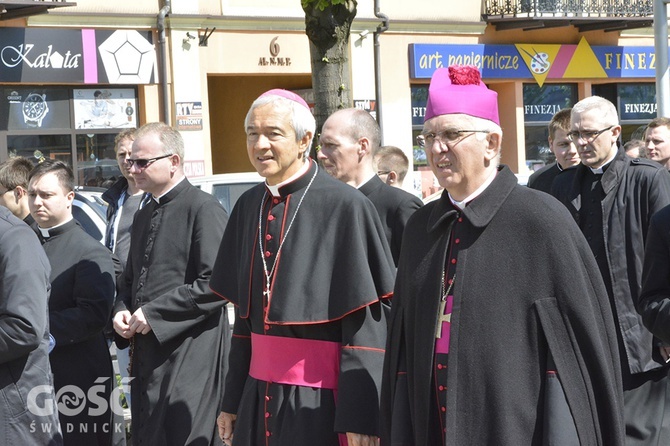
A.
x: 459, y: 89
x: 286, y: 94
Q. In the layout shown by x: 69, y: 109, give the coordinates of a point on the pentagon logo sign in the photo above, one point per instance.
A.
x: 128, y: 57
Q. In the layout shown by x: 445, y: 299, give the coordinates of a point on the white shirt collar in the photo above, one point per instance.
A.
x: 600, y: 169
x: 475, y: 194
x: 45, y: 231
x: 157, y: 199
x: 274, y: 190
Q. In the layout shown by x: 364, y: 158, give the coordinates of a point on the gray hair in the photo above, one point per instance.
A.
x: 172, y: 141
x: 302, y: 120
x: 608, y: 110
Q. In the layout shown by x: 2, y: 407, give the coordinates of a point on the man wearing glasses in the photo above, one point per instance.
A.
x: 612, y: 198
x: 177, y: 328
x: 498, y: 334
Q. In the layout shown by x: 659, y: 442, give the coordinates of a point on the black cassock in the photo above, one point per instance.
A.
x: 331, y: 276
x: 82, y: 295
x: 526, y: 289
x: 394, y: 207
x: 177, y: 368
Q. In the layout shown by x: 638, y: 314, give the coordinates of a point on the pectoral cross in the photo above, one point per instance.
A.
x: 267, y: 291
x: 442, y: 318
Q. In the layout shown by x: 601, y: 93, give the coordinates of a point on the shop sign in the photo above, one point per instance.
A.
x: 105, y: 108
x: 369, y: 105
x: 273, y: 59
x: 194, y: 169
x: 189, y: 115
x: 34, y: 55
x: 540, y: 62
x: 24, y: 108
x: 637, y: 102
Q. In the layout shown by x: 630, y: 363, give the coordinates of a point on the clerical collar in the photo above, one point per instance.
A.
x: 45, y: 231
x: 560, y: 169
x: 366, y: 180
x: 274, y: 190
x: 475, y: 194
x: 158, y: 199
x: 603, y: 168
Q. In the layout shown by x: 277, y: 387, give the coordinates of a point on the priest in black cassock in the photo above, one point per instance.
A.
x: 348, y: 141
x: 306, y: 264
x: 563, y: 149
x: 498, y: 335
x: 177, y: 328
x: 82, y: 295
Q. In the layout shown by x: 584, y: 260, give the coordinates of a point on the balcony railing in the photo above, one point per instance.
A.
x: 12, y: 9
x: 587, y: 15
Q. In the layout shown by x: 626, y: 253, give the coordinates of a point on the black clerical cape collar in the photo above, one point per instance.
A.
x: 480, y: 211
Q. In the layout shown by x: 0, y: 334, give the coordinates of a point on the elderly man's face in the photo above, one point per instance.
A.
x: 271, y: 143
x: 597, y: 140
x: 461, y: 165
x: 657, y: 140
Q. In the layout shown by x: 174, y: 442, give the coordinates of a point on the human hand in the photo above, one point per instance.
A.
x: 226, y: 424
x: 361, y: 440
x: 138, y: 323
x: 120, y: 324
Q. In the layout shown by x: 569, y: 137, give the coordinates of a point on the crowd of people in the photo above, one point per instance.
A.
x: 497, y: 314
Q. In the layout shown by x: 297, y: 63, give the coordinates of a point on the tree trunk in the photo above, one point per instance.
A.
x: 328, y: 33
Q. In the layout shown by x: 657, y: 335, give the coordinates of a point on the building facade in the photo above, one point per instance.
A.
x: 72, y: 78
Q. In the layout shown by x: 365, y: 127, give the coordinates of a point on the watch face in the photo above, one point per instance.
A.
x: 34, y: 106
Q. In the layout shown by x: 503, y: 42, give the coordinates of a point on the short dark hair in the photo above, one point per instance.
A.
x: 394, y: 158
x: 59, y: 168
x: 560, y: 121
x: 14, y: 172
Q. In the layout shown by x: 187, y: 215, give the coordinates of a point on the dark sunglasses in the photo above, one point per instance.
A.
x: 144, y: 163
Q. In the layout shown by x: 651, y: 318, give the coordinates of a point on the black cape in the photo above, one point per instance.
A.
x: 332, y: 272
x: 519, y: 296
x: 178, y: 367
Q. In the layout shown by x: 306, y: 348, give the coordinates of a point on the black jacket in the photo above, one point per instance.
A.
x: 634, y: 190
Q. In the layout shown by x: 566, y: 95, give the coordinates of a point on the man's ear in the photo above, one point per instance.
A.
x: 392, y: 178
x: 494, y: 145
x: 20, y: 192
x: 365, y: 147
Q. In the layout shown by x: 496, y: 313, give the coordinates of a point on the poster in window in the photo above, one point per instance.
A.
x: 105, y: 108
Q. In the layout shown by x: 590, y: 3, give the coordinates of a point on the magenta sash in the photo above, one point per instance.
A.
x: 442, y: 344
x: 300, y: 362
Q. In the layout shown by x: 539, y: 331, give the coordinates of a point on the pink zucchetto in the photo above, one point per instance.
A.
x: 459, y: 89
x: 286, y: 94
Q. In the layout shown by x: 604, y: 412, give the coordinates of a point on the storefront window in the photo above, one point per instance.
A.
x: 40, y: 147
x: 96, y: 162
x: 540, y: 104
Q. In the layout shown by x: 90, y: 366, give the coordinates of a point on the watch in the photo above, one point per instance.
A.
x: 35, y: 108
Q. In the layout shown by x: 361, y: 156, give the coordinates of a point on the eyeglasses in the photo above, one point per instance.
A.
x: 445, y: 136
x: 383, y: 172
x: 588, y: 135
x: 144, y: 163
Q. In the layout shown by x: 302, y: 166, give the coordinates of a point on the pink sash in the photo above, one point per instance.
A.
x: 300, y: 362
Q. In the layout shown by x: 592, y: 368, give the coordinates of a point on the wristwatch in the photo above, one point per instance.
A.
x: 35, y: 108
